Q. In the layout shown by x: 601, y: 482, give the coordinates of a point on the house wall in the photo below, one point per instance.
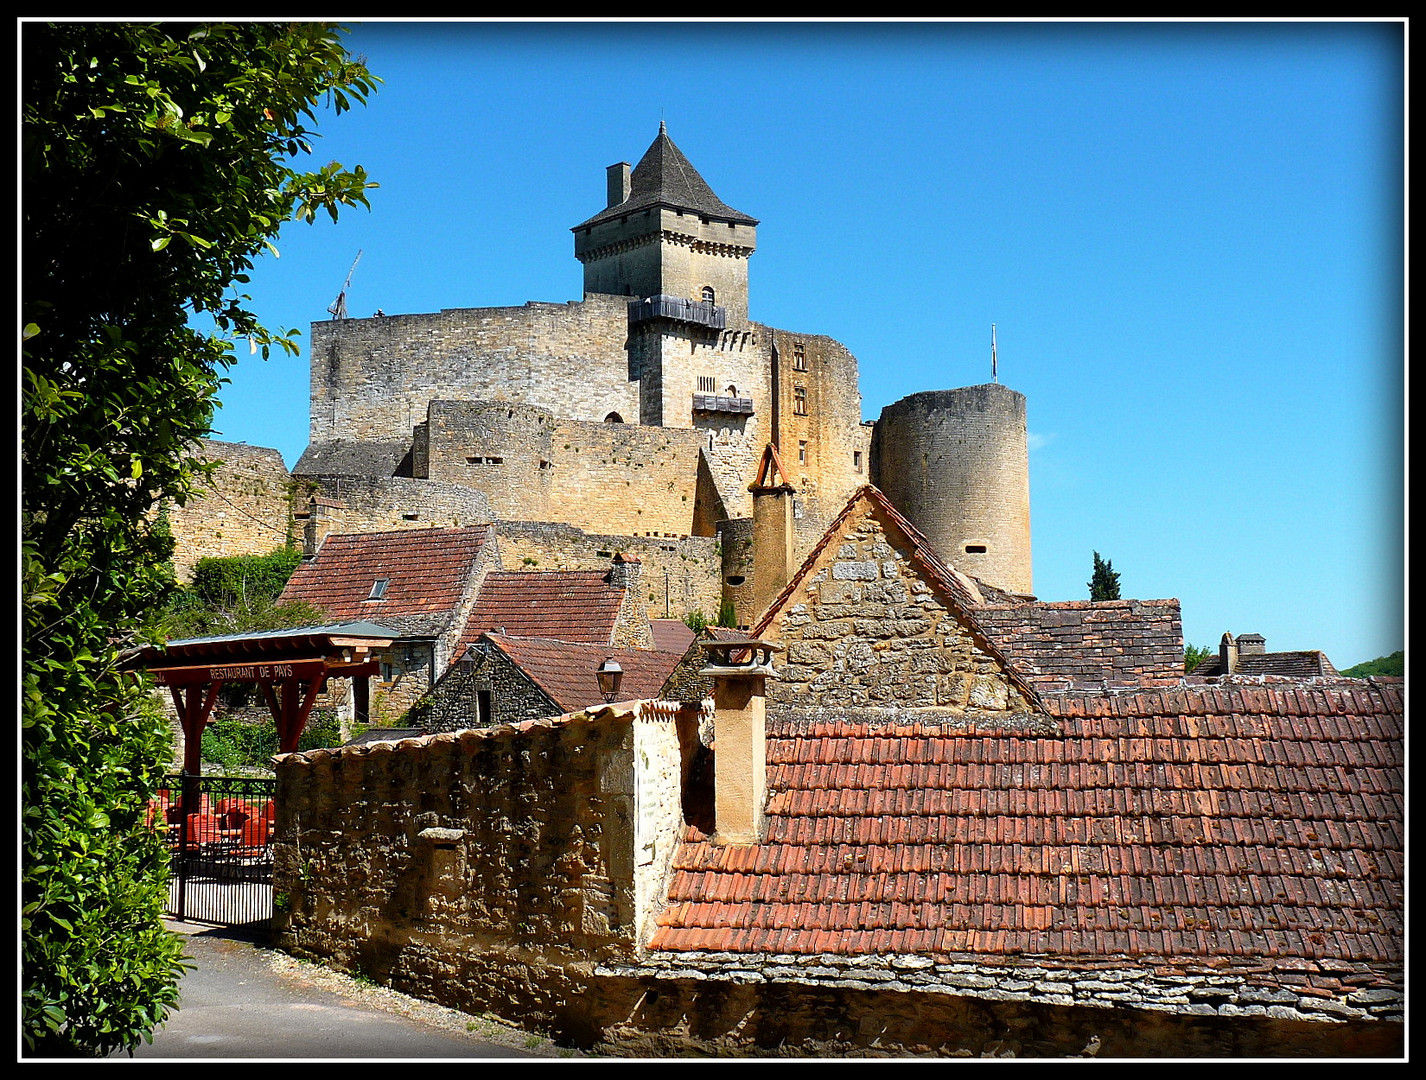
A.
x: 489, y: 870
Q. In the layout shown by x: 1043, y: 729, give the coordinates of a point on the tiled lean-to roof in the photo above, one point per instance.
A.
x: 566, y: 605
x: 426, y: 573
x: 1243, y: 824
x: 1075, y: 644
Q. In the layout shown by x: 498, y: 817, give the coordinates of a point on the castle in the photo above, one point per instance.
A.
x: 639, y: 417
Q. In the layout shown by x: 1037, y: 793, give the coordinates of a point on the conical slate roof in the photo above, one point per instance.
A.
x: 664, y: 177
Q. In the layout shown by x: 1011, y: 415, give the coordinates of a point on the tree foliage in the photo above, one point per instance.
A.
x: 238, y: 594
x: 1104, y: 585
x: 157, y: 162
x: 1394, y: 665
x: 1193, y: 655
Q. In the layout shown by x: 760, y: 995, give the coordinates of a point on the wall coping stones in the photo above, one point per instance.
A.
x: 1117, y: 982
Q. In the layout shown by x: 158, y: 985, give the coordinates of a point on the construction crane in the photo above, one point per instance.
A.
x: 338, y: 307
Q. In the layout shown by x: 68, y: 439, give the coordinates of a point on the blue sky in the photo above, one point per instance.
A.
x: 1189, y: 237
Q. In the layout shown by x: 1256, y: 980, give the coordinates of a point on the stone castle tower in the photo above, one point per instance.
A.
x: 643, y: 410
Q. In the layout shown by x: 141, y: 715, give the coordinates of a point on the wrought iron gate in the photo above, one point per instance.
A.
x: 219, y: 831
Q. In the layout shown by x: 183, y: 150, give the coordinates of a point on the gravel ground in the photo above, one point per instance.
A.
x: 484, y: 1027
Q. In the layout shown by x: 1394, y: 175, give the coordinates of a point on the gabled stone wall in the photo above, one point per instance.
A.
x: 868, y: 630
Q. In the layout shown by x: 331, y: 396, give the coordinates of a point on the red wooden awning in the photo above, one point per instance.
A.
x: 289, y: 666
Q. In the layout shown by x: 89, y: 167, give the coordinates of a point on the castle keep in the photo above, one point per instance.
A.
x: 643, y: 411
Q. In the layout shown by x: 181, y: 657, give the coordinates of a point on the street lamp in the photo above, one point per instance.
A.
x: 609, y: 674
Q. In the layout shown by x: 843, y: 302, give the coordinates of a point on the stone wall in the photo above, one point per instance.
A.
x: 246, y: 510
x: 489, y: 870
x: 381, y: 504
x: 500, y: 448
x: 680, y: 573
x: 866, y: 629
x: 894, y: 1006
x: 624, y: 478
x: 373, y: 378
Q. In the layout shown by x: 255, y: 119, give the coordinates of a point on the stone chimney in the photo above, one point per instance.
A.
x: 324, y: 516
x: 773, y: 535
x: 739, y: 669
x: 1228, y: 655
x: 632, y: 629
x: 618, y: 183
x: 1252, y: 645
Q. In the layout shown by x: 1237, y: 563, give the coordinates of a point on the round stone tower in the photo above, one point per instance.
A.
x: 956, y: 463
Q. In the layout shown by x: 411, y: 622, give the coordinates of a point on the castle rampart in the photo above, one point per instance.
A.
x: 374, y: 378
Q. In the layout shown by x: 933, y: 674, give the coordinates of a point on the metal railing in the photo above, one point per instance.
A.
x: 219, y: 831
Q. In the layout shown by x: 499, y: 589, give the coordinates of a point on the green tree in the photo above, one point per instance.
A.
x: 238, y: 594
x: 1104, y: 585
x: 157, y: 162
x: 1193, y: 655
x: 1395, y: 665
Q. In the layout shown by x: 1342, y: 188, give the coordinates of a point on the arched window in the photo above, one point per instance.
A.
x: 708, y: 295
x: 613, y: 418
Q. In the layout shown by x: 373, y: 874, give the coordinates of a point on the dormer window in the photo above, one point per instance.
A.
x: 378, y: 588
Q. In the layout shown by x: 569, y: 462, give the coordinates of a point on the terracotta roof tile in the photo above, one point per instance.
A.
x: 563, y: 605
x: 1193, y: 823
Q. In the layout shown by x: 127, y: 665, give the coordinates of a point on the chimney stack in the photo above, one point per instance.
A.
x: 773, y: 533
x: 1228, y: 655
x: 1252, y: 645
x: 618, y: 183
x: 324, y: 516
x: 739, y: 669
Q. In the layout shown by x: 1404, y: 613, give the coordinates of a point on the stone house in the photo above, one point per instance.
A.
x: 422, y: 583
x: 955, y: 857
x: 1247, y: 655
x: 502, y: 679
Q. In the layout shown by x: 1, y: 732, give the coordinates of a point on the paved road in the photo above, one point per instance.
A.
x: 246, y: 1001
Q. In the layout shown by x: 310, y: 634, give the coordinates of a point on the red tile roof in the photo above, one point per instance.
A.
x: 1190, y: 823
x: 671, y: 635
x: 565, y: 605
x: 565, y: 670
x: 428, y: 571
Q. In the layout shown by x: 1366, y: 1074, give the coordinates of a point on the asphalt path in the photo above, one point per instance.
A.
x: 242, y: 1000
